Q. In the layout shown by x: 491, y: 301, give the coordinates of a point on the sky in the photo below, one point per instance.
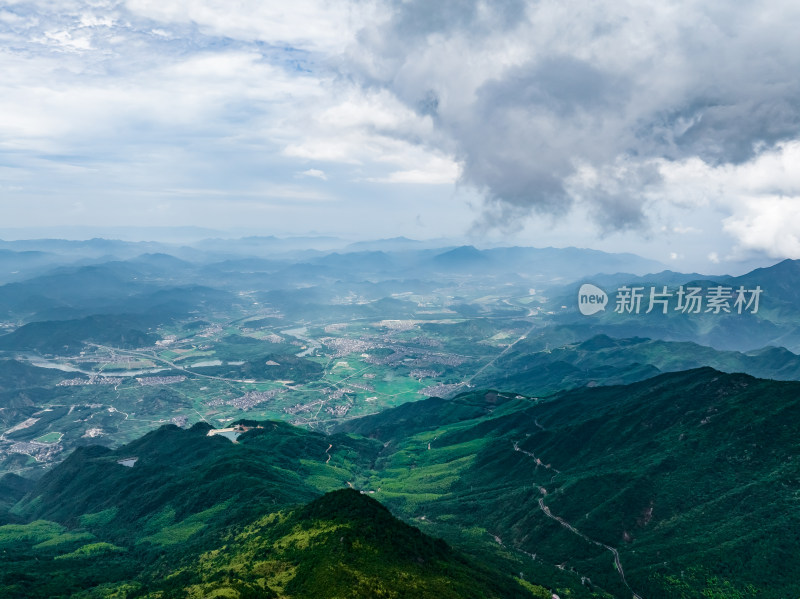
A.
x: 668, y: 129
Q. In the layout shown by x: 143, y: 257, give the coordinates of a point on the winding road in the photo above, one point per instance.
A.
x: 572, y: 529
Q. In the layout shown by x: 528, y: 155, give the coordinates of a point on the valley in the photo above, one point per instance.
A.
x: 396, y: 299
x: 153, y: 407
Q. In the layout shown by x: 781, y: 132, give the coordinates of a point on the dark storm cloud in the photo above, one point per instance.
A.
x: 561, y: 85
x: 413, y: 20
x: 508, y: 144
x: 527, y: 94
x: 617, y: 203
x: 731, y: 129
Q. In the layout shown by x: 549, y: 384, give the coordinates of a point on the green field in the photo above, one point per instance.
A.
x: 347, y: 369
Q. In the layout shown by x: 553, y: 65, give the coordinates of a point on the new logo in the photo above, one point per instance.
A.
x: 591, y: 299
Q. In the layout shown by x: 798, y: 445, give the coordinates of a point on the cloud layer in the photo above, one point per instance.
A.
x: 550, y: 104
x: 634, y: 116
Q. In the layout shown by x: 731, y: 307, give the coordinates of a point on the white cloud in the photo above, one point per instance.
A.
x: 770, y: 225
x: 67, y: 40
x: 759, y: 199
x: 92, y: 20
x: 369, y: 130
x: 207, y: 95
x: 320, y: 25
x: 436, y: 170
x: 16, y: 20
x: 315, y: 173
x: 291, y: 193
x: 427, y: 177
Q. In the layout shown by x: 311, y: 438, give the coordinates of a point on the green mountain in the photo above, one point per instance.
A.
x: 683, y: 485
x: 555, y: 359
x: 69, y: 336
x: 343, y: 544
x: 688, y: 482
x: 191, y: 471
x: 15, y: 374
x: 180, y: 513
x: 12, y: 489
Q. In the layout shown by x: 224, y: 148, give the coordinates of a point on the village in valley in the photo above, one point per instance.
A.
x: 258, y: 366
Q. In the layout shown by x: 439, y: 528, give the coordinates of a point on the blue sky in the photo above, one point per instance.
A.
x: 670, y: 130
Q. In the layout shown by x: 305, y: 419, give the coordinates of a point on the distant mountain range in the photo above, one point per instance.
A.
x: 148, y: 289
x: 550, y: 359
x: 776, y: 323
